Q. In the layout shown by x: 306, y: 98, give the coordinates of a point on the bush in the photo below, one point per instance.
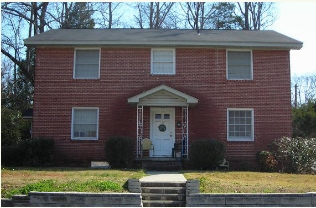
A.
x: 119, y: 151
x: 12, y: 155
x: 32, y: 152
x: 304, y: 120
x: 205, y: 154
x: 295, y: 155
x: 267, y: 161
x: 38, y: 151
x: 14, y: 128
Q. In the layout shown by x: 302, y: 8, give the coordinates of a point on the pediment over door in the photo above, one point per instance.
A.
x: 163, y: 96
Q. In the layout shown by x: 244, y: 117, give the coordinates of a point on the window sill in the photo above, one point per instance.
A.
x: 239, y: 79
x: 162, y: 74
x: 84, y: 139
x: 86, y: 78
x: 240, y: 139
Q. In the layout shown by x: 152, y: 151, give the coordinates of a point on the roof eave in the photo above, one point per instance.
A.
x: 288, y: 46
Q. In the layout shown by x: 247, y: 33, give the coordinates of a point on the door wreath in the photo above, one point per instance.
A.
x: 162, y: 127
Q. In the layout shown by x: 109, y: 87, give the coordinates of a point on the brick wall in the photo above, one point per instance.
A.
x: 125, y: 72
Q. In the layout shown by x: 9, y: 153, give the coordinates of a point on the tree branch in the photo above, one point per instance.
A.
x: 19, y: 64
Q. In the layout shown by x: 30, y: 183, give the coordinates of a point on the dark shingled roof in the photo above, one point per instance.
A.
x: 165, y: 37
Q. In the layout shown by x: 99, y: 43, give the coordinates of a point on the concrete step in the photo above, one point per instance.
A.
x: 163, y: 184
x: 164, y: 190
x: 163, y: 197
x: 163, y: 194
x: 160, y: 203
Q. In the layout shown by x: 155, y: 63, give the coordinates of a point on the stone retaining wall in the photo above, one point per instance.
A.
x: 74, y: 199
x: 193, y: 199
x: 251, y: 200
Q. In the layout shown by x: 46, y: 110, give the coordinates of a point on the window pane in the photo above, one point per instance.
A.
x: 240, y: 125
x: 248, y: 128
x: 87, y: 64
x: 87, y: 56
x: 239, y: 64
x: 163, y: 55
x: 162, y: 61
x: 85, y: 116
x: 157, y: 116
x: 85, y: 123
x: 239, y: 72
x: 162, y: 68
x: 166, y: 116
x: 87, y: 71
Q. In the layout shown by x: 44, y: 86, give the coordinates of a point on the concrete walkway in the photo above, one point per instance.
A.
x: 156, y: 176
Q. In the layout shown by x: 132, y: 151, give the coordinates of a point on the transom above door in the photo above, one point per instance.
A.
x: 162, y: 131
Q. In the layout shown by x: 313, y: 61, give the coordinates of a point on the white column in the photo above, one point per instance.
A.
x: 185, y: 131
x: 139, y: 128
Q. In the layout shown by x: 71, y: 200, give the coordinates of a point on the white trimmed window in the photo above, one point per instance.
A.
x: 87, y: 64
x: 239, y: 65
x: 163, y: 61
x: 85, y: 123
x: 240, y: 125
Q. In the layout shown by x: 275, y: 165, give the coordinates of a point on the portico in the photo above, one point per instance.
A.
x: 166, y: 126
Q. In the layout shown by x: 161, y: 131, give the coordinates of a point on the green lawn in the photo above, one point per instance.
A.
x: 23, y: 180
x: 253, y: 182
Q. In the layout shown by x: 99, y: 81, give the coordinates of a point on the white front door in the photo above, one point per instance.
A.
x: 162, y: 131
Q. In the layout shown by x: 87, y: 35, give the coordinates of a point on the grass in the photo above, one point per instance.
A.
x: 23, y: 180
x: 253, y: 182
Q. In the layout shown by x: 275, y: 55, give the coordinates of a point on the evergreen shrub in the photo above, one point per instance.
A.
x: 12, y: 155
x: 119, y: 151
x: 38, y: 151
x: 205, y: 154
x: 31, y: 152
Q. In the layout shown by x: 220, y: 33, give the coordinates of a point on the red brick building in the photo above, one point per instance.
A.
x: 167, y: 85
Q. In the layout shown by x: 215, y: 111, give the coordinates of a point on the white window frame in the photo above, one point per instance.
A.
x: 173, y: 59
x: 72, y: 123
x: 251, y: 63
x: 252, y: 125
x: 74, y: 67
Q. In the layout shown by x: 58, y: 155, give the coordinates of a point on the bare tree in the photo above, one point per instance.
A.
x: 59, y: 14
x: 153, y: 15
x: 108, y: 14
x: 305, y: 90
x: 256, y: 15
x: 79, y: 16
x: 34, y: 15
x: 216, y: 15
x: 198, y: 14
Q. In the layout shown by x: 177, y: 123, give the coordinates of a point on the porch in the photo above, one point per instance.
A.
x: 163, y: 119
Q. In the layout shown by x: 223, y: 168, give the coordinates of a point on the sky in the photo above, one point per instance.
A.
x: 298, y: 20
